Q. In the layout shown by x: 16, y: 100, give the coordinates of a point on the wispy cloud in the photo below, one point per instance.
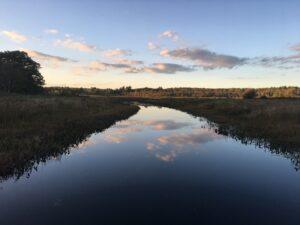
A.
x: 132, y: 67
x: 128, y: 61
x: 282, y: 62
x: 76, y: 45
x: 168, y: 68
x: 295, y: 47
x: 46, y: 57
x: 125, y: 65
x: 152, y: 46
x: 204, y: 58
x: 51, y: 31
x: 117, y: 52
x: 15, y: 36
x: 173, y: 35
x: 102, y: 66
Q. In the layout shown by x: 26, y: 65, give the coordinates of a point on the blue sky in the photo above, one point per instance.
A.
x: 157, y: 43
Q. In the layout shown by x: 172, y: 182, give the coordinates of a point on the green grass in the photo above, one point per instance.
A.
x: 36, y: 128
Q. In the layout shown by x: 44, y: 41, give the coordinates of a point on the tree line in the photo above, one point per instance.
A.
x: 273, y: 92
x: 20, y: 74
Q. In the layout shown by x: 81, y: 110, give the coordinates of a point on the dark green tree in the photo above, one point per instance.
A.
x: 19, y: 73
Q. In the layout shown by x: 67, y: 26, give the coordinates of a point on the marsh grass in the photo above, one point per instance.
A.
x: 34, y: 129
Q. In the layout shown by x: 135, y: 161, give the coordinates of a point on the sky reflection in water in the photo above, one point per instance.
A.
x: 167, y: 138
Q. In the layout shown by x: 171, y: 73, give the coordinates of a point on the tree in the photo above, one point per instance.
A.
x: 19, y: 73
x: 249, y: 94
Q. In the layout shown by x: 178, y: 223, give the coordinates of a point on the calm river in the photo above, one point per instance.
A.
x: 161, y: 166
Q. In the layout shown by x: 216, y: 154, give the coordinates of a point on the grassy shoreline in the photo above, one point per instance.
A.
x: 36, y: 128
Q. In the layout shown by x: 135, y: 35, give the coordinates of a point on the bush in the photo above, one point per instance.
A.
x: 263, y: 97
x: 249, y: 94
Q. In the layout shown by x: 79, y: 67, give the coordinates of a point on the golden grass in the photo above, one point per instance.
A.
x: 36, y: 128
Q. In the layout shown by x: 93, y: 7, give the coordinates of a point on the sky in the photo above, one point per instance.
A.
x: 141, y: 43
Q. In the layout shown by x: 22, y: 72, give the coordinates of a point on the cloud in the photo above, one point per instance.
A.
x: 114, y: 139
x: 128, y: 61
x: 165, y: 52
x: 77, y: 45
x: 170, y: 34
x: 45, y: 57
x: 168, y: 68
x: 127, y: 66
x: 138, y: 67
x: 198, y: 136
x: 126, y: 130
x: 120, y: 131
x: 204, y: 58
x: 152, y: 46
x: 151, y: 146
x: 153, y: 124
x: 210, y: 60
x: 117, y: 52
x: 102, y: 66
x: 51, y: 31
x: 168, y: 147
x: 295, y: 47
x: 276, y: 61
x: 97, y: 65
x: 15, y: 36
x: 281, y: 62
x: 165, y: 124
x: 133, y: 70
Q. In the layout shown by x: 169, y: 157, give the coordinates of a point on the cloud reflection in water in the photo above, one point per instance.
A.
x: 168, y: 147
x: 120, y: 130
x: 173, y: 137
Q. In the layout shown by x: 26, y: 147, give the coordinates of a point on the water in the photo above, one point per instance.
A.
x: 161, y: 166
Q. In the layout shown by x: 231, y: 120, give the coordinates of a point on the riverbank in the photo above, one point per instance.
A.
x: 36, y: 128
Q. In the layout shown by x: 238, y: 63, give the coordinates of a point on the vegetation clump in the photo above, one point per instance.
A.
x: 249, y: 94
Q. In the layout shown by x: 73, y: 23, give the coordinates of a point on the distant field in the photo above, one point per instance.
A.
x: 35, y: 128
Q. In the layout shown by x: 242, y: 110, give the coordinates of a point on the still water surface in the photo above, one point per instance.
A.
x: 160, y: 166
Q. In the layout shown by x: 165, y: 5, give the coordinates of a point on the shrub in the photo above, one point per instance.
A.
x: 249, y: 94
